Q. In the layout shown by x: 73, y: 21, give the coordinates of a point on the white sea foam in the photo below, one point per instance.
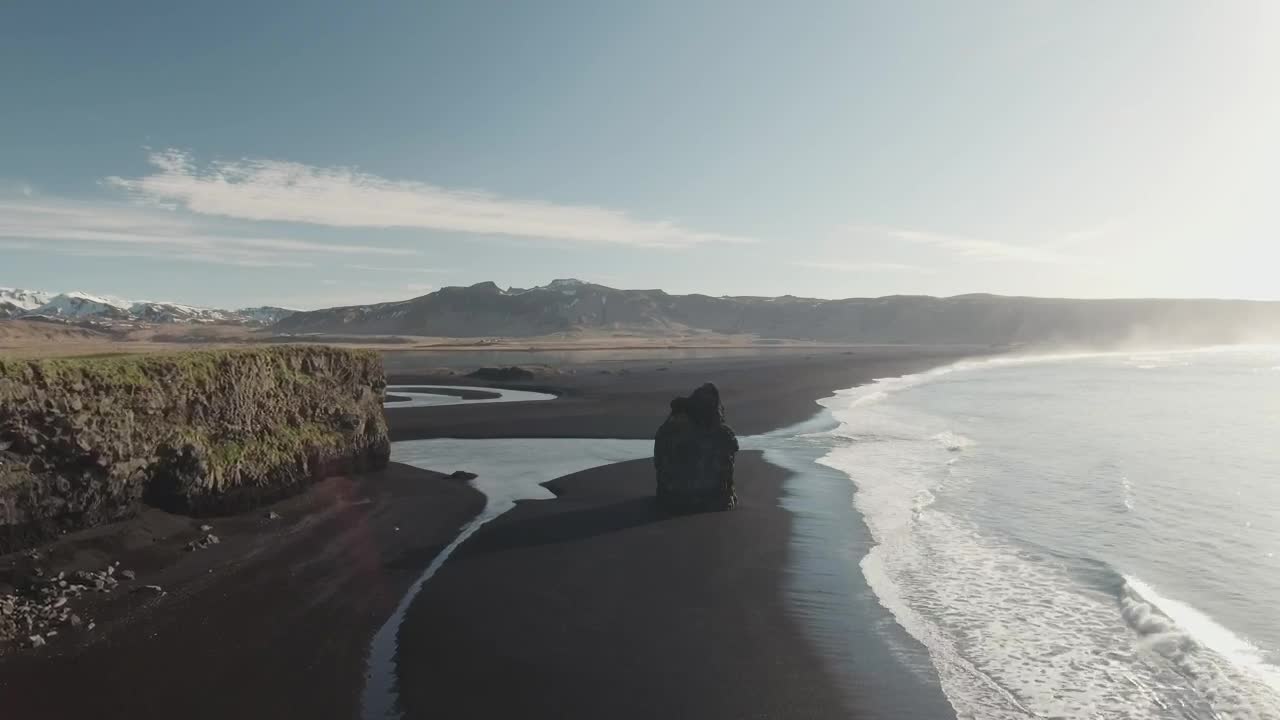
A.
x: 1181, y: 357
x: 1127, y: 489
x: 1014, y: 633
x: 1008, y: 636
x: 953, y: 441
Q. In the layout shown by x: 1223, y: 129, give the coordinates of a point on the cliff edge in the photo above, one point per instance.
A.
x: 83, y: 441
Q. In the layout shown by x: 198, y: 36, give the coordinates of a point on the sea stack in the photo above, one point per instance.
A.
x: 693, y: 454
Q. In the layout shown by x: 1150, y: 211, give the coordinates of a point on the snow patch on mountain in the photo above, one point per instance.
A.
x: 78, y: 304
x: 265, y: 315
x: 175, y: 312
x: 24, y: 299
x: 564, y: 284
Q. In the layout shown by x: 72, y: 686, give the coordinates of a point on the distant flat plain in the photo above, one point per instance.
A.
x: 33, y: 338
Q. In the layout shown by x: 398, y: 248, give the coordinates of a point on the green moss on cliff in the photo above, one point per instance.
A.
x: 256, y: 456
x: 108, y: 371
x: 200, y: 431
x: 200, y: 366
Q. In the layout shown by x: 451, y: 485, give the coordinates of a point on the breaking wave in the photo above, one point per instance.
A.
x: 1182, y: 634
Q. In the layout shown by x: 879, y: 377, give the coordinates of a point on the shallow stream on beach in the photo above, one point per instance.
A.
x: 506, y: 470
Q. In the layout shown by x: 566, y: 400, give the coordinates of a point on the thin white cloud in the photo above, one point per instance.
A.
x: 406, y: 269
x: 201, y: 257
x: 977, y: 248
x: 256, y: 189
x: 121, y: 230
x: 870, y: 267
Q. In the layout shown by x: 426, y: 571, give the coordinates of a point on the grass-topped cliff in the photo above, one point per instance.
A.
x: 83, y: 440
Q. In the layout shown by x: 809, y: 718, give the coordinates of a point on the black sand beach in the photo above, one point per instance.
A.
x: 591, y: 605
x: 629, y: 399
x: 597, y: 605
x: 272, y: 622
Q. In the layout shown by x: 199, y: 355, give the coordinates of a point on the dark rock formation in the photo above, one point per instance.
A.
x: 693, y: 454
x: 506, y: 373
x: 83, y: 441
x: 462, y: 475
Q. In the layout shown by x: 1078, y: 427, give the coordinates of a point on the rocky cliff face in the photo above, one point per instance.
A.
x: 83, y: 441
x: 693, y: 453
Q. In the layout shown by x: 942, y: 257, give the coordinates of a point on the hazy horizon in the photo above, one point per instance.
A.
x: 333, y: 155
x: 179, y: 301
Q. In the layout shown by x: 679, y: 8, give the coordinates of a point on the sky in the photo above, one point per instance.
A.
x: 321, y: 153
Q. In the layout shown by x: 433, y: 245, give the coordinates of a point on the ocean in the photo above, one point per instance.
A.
x: 1076, y: 537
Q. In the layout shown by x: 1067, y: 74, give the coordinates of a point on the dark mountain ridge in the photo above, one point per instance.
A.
x: 568, y: 306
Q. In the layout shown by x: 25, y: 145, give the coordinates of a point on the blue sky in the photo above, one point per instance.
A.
x: 321, y: 153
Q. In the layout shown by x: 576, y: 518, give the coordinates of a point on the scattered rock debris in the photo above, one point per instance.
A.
x: 38, y: 609
x: 202, y: 543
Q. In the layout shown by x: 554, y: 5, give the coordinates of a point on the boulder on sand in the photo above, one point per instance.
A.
x: 693, y: 454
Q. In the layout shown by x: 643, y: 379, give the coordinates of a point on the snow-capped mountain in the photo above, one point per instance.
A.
x: 15, y: 301
x: 25, y: 299
x: 76, y: 305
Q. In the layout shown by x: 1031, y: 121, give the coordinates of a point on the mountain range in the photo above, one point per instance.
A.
x: 567, y: 306
x: 17, y: 303
x: 571, y: 306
